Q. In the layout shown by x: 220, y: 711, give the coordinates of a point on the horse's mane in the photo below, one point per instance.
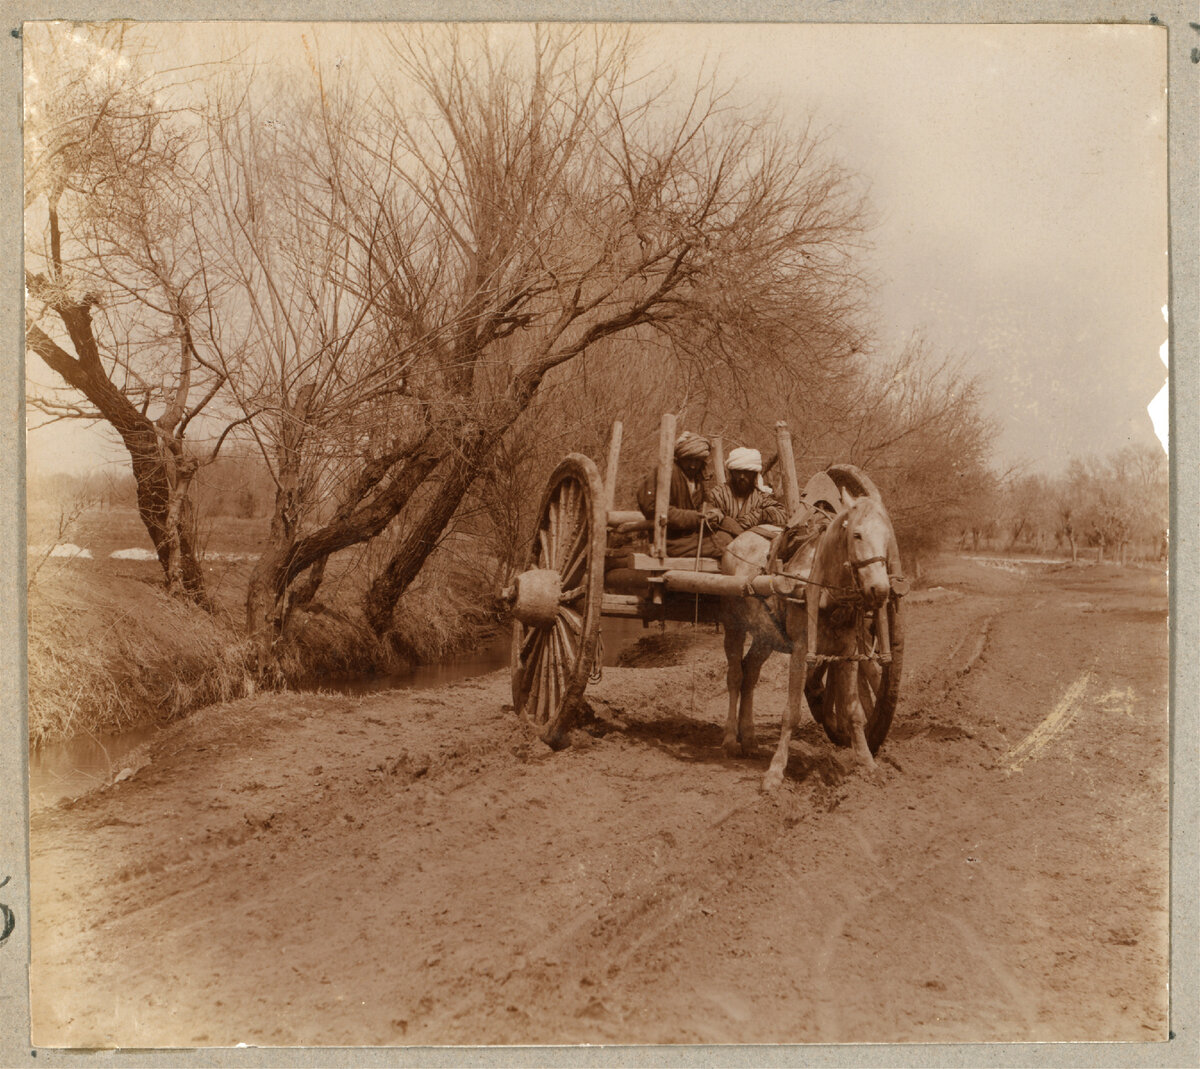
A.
x: 831, y: 549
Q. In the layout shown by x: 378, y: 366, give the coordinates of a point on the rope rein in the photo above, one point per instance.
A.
x: 831, y: 658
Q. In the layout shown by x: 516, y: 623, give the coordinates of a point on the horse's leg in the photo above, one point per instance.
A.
x: 852, y: 711
x: 873, y: 673
x: 796, y: 704
x: 752, y: 663
x: 735, y: 638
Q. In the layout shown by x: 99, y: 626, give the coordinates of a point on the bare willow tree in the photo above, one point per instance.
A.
x: 416, y: 261
x: 319, y: 386
x: 539, y: 196
x: 119, y: 304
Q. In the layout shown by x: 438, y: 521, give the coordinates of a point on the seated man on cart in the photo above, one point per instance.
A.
x: 745, y: 501
x: 691, y: 521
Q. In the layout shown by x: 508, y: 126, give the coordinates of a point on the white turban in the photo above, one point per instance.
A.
x: 742, y: 459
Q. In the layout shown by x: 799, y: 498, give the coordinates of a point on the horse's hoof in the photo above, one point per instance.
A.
x: 865, y: 765
x: 772, y: 781
x: 731, y: 746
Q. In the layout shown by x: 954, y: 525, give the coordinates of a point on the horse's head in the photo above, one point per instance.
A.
x: 869, y: 546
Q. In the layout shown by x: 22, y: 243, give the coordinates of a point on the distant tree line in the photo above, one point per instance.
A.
x: 235, y: 485
x: 1108, y: 508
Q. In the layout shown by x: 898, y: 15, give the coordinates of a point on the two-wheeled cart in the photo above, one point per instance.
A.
x: 558, y: 600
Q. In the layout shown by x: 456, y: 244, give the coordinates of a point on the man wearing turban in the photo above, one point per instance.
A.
x: 690, y: 521
x: 745, y: 501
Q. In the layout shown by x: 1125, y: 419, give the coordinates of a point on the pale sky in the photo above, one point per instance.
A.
x: 1018, y: 174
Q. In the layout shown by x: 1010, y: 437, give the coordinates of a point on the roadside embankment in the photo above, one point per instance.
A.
x: 109, y: 651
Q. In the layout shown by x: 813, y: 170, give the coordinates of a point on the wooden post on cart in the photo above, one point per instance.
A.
x: 718, y: 445
x: 610, y: 476
x: 787, y: 462
x: 662, y: 496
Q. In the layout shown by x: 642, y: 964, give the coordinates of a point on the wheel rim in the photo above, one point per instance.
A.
x: 880, y: 684
x: 551, y: 663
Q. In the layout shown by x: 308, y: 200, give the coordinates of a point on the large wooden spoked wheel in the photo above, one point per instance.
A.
x: 552, y: 658
x: 878, y: 685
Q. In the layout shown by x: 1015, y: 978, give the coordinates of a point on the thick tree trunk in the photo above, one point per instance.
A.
x: 265, y: 609
x: 463, y: 467
x: 269, y: 596
x: 266, y: 601
x: 179, y: 525
x: 163, y: 511
x: 382, y: 491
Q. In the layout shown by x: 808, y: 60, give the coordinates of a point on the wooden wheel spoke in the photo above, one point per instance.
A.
x: 568, y: 531
x: 570, y: 498
x: 557, y: 670
x: 564, y: 497
x: 547, y: 551
x: 567, y: 641
x: 544, y: 707
x: 527, y: 653
x: 527, y: 643
x: 572, y: 619
x: 572, y: 574
x: 552, y: 520
x: 532, y: 646
x: 574, y: 594
x: 576, y: 556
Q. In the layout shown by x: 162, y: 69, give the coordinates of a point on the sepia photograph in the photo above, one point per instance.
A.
x: 596, y: 533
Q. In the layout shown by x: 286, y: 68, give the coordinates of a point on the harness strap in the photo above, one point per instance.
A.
x: 856, y: 564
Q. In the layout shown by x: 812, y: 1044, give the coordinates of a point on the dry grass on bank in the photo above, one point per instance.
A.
x: 109, y: 651
x: 330, y: 644
x: 106, y: 654
x: 438, y: 617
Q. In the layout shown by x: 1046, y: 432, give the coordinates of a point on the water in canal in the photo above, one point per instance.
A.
x: 68, y: 769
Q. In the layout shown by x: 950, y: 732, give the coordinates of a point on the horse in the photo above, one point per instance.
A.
x: 845, y: 569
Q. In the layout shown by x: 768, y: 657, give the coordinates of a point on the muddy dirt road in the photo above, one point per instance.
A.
x: 407, y: 868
